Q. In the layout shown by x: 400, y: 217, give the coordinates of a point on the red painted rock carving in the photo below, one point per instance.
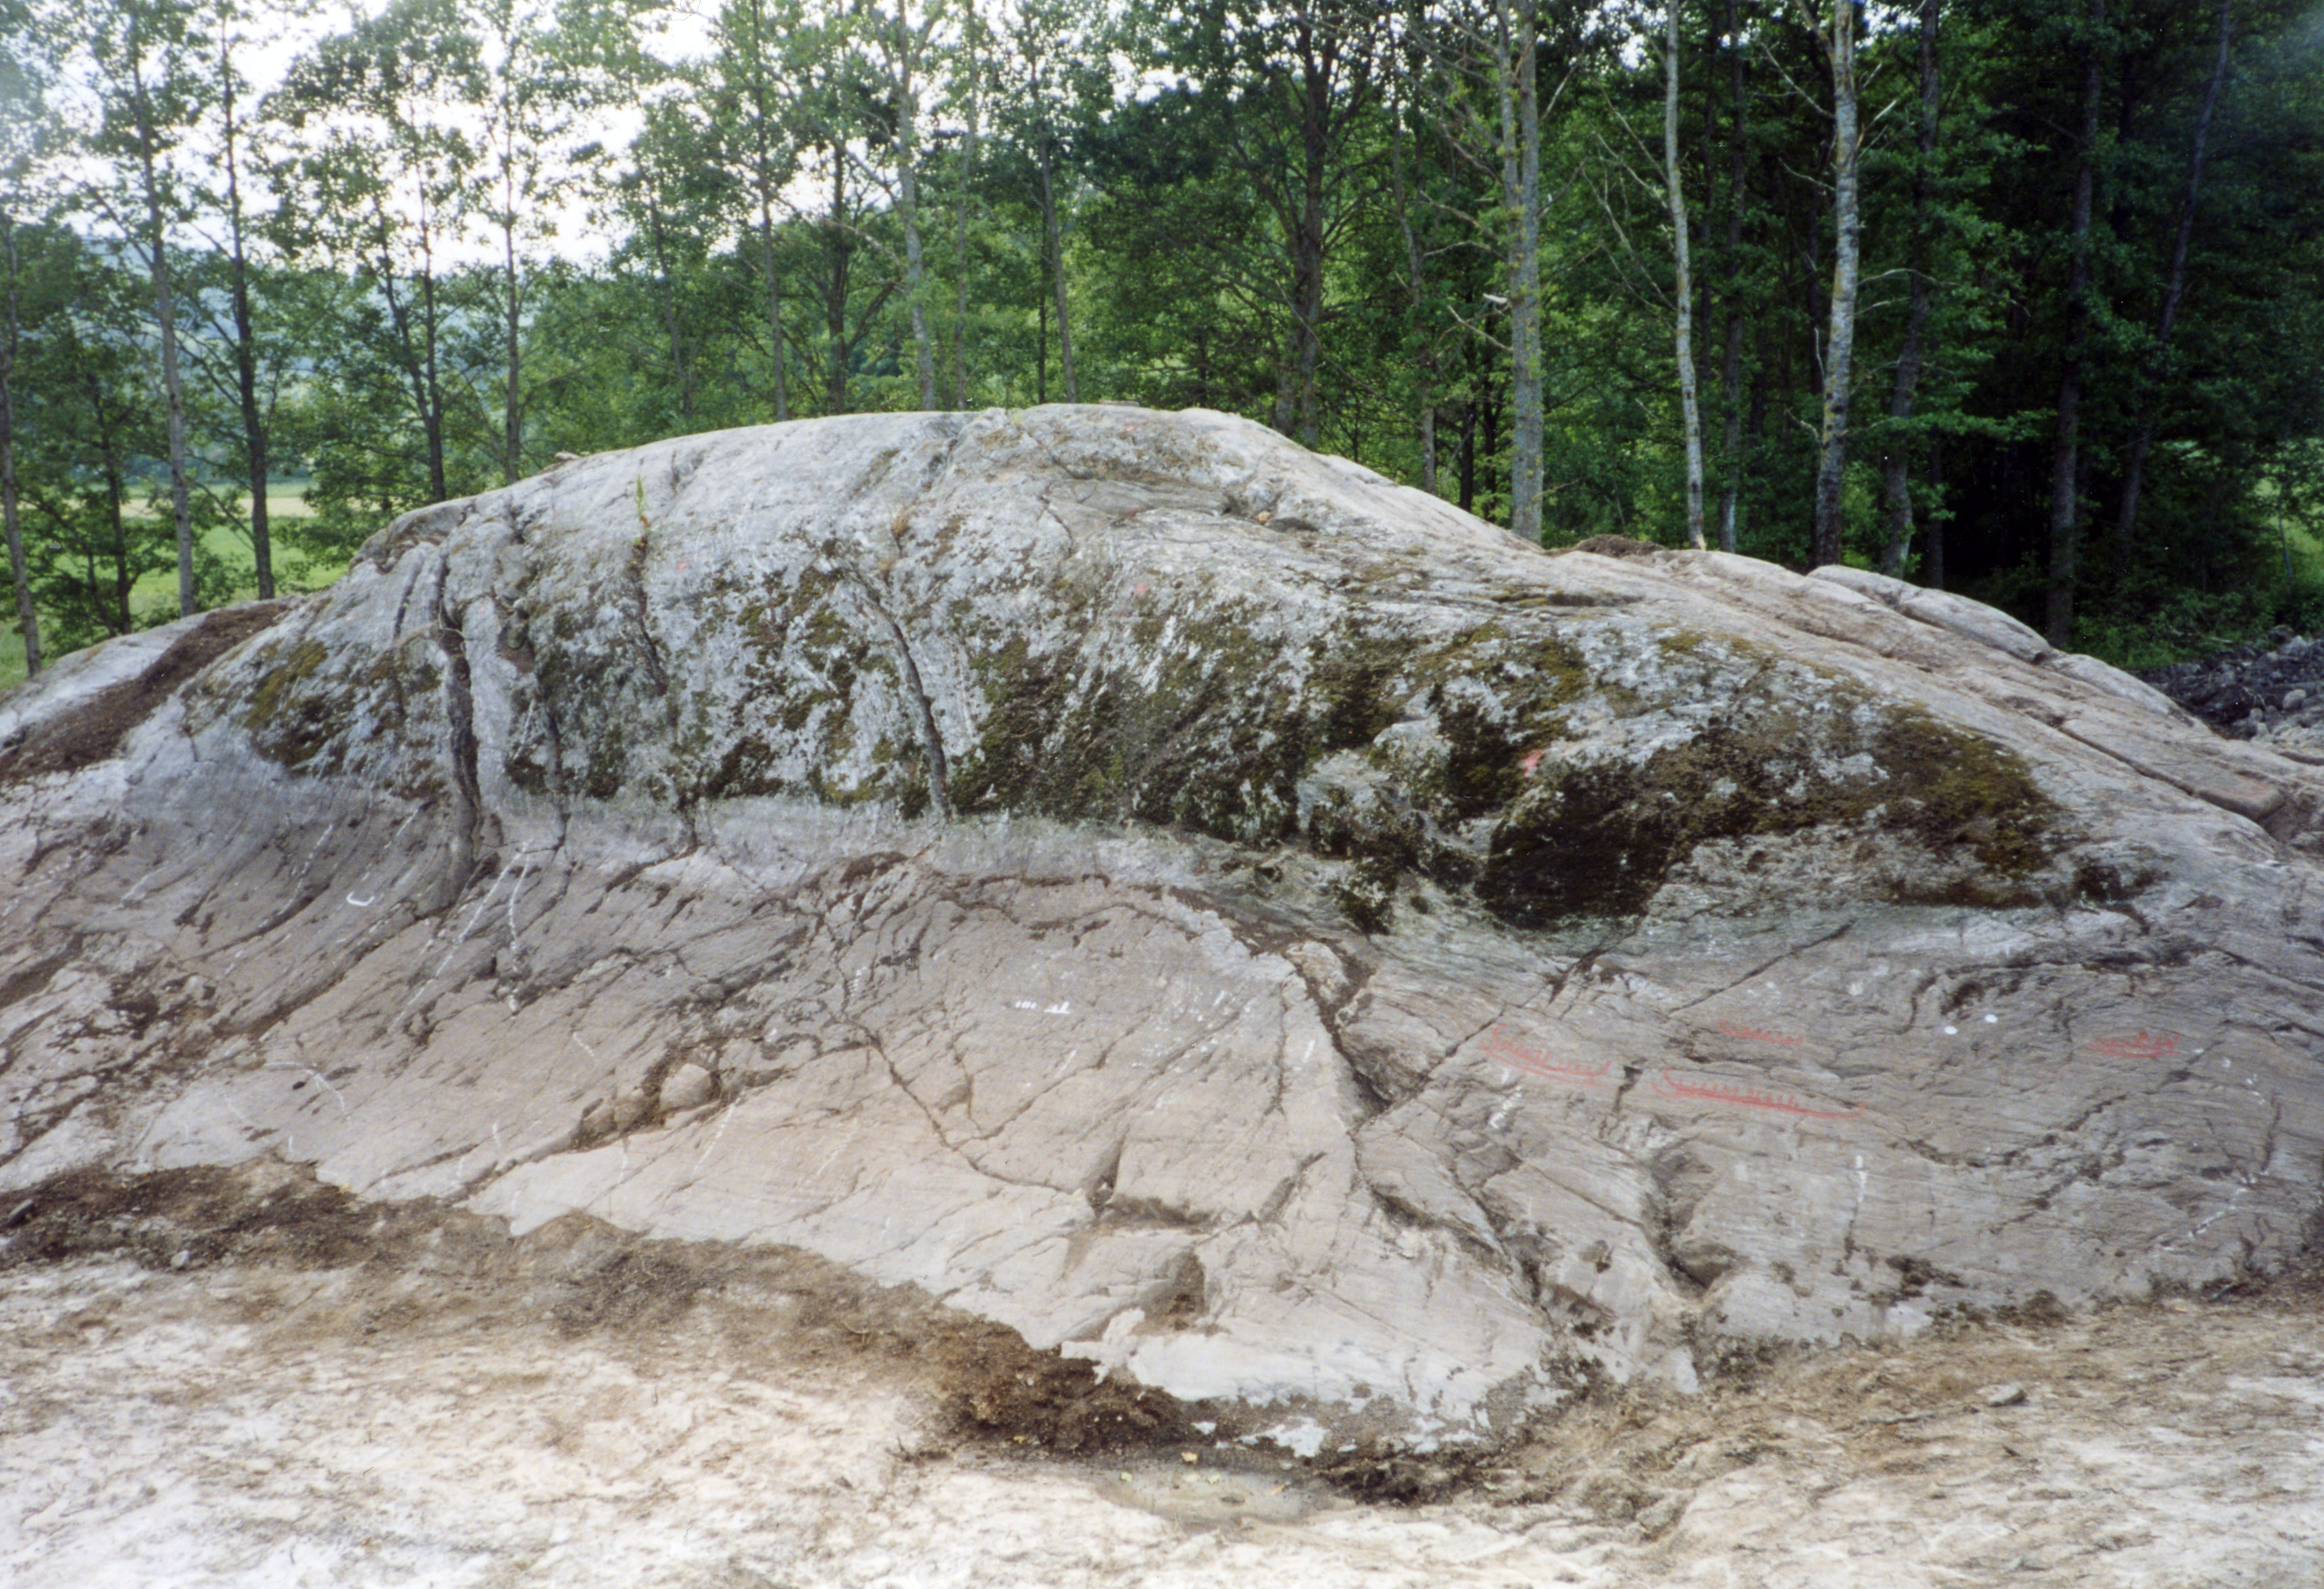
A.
x: 1668, y: 1085
x: 1753, y: 1034
x: 2145, y: 1045
x: 1539, y: 1062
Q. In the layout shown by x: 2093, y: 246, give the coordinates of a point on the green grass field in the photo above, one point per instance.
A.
x: 155, y: 598
x: 157, y: 593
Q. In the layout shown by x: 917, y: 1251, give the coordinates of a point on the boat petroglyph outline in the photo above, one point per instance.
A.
x: 1666, y: 1084
x: 2147, y: 1045
x: 1755, y: 1034
x: 1539, y: 1062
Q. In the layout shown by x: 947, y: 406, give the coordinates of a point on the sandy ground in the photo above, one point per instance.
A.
x: 439, y: 1406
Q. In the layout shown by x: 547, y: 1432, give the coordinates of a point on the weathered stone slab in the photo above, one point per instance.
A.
x: 1222, y: 914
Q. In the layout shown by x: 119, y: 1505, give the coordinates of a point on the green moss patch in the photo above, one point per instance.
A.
x: 1599, y: 840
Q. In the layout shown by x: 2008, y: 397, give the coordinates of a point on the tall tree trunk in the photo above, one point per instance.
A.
x: 245, y: 351
x: 1682, y: 297
x: 1307, y: 248
x: 907, y: 162
x: 431, y: 412
x: 512, y: 408
x: 2065, y: 462
x: 1895, y: 483
x: 1840, y: 343
x: 960, y: 239
x: 165, y: 313
x: 1515, y: 42
x: 1054, y: 245
x: 111, y: 612
x: 399, y: 316
x: 1416, y: 283
x: 27, y: 618
x: 1469, y: 456
x: 1730, y: 379
x: 1932, y: 557
x: 838, y: 250
x: 777, y: 353
x: 666, y: 281
x: 2147, y: 405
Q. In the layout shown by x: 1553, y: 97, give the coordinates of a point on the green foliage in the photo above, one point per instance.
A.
x: 1222, y: 179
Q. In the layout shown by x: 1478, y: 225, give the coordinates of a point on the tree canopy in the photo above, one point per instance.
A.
x: 2022, y: 298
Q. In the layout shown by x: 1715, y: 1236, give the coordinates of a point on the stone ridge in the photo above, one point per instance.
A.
x: 1217, y: 912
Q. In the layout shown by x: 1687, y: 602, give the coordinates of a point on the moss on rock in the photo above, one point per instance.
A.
x: 1600, y: 839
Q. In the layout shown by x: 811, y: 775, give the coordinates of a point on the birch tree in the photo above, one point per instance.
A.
x: 1895, y: 480
x: 1683, y: 297
x: 1731, y: 369
x: 28, y: 617
x: 230, y: 26
x: 902, y: 45
x: 1839, y: 37
x: 1409, y: 76
x: 1517, y: 72
x: 970, y: 67
x: 1493, y: 48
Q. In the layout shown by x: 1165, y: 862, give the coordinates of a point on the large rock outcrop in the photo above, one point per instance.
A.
x: 1211, y: 910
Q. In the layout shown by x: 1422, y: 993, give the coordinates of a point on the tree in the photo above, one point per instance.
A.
x: 902, y: 46
x: 1516, y: 73
x: 745, y: 66
x: 2065, y: 478
x: 1298, y: 83
x: 1044, y: 81
x: 1895, y: 481
x: 1682, y: 294
x: 1731, y: 367
x: 87, y: 430
x: 526, y: 111
x: 2167, y: 320
x: 23, y: 118
x: 143, y: 62
x: 229, y: 26
x: 27, y: 618
x: 381, y: 177
x: 1840, y: 33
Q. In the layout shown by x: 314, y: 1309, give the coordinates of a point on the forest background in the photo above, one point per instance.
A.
x: 2020, y: 298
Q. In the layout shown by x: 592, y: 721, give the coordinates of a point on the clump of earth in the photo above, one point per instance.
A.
x: 2271, y: 691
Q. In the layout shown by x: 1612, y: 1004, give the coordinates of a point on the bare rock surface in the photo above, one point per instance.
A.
x: 1239, y: 923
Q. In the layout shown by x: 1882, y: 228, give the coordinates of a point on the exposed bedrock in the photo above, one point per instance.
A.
x: 1213, y: 911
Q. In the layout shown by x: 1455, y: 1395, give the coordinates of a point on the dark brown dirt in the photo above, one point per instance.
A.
x: 84, y: 737
x: 432, y: 1271
x: 2245, y: 689
x: 585, y: 1278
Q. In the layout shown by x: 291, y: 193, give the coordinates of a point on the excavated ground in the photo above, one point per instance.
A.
x: 213, y: 1378
x: 2271, y: 692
